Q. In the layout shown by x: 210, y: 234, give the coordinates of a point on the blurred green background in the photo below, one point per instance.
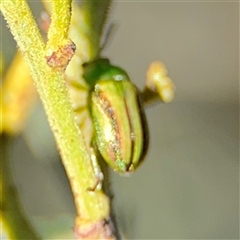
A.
x: 188, y: 186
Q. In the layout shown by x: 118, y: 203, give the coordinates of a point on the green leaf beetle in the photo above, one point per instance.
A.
x: 119, y: 121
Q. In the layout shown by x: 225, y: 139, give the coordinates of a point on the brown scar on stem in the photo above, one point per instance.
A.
x: 59, y: 59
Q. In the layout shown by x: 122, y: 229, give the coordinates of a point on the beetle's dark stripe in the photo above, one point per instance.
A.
x: 132, y: 133
x: 108, y: 110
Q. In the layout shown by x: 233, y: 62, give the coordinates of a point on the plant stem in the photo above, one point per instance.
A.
x: 91, y: 205
x: 149, y: 97
x: 95, y: 14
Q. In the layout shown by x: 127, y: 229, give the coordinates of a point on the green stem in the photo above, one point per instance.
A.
x: 14, y: 219
x: 95, y: 13
x: 60, y: 21
x: 149, y: 97
x: 52, y: 89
